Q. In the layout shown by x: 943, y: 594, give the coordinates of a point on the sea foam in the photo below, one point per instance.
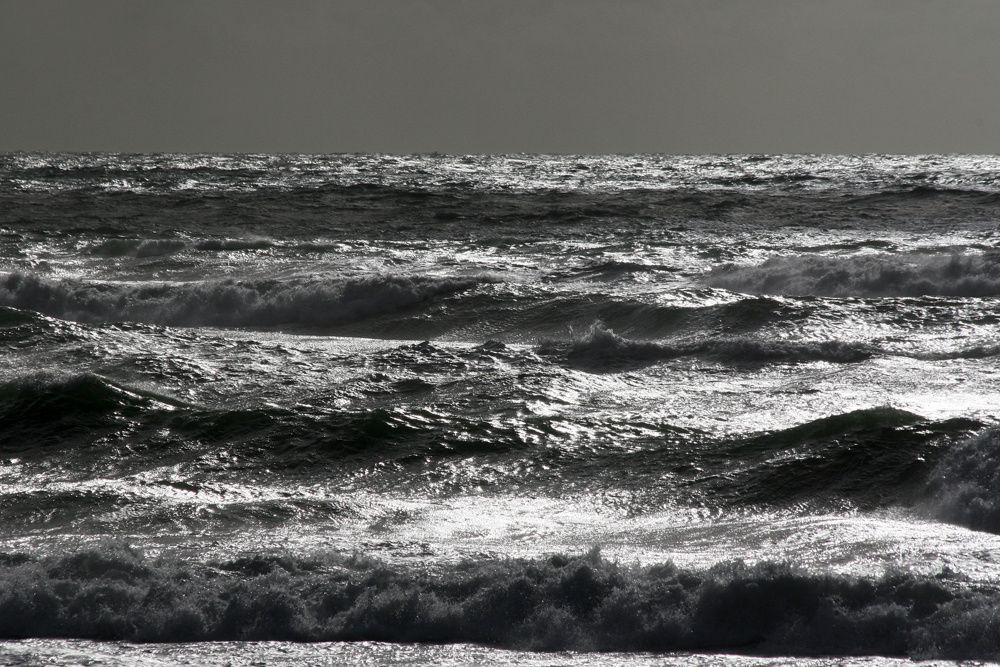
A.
x: 965, y: 486
x: 559, y: 602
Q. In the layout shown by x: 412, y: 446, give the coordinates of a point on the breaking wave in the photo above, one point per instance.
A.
x: 874, y: 275
x: 313, y: 302
x: 600, y: 347
x: 560, y: 602
x: 965, y: 486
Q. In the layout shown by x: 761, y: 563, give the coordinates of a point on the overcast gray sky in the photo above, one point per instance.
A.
x: 676, y: 76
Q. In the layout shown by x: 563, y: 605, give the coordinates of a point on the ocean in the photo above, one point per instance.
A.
x: 510, y: 409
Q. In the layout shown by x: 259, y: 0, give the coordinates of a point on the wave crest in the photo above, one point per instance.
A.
x: 874, y: 275
x: 600, y: 347
x: 315, y: 302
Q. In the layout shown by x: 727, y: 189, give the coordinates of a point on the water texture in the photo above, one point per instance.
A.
x: 681, y: 408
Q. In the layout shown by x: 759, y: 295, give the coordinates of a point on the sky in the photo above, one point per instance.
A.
x: 475, y: 76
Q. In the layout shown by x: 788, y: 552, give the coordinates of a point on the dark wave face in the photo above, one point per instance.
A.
x: 227, y: 303
x: 873, y: 458
x: 370, y: 397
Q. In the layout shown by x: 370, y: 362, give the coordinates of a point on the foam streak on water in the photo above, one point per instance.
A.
x: 517, y: 409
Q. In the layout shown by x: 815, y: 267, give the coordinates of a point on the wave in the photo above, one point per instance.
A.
x: 611, y: 270
x: 234, y: 244
x: 41, y: 410
x: 983, y: 351
x: 600, y: 347
x: 42, y: 413
x: 864, y: 459
x: 27, y: 329
x: 144, y: 248
x: 924, y: 191
x: 44, y: 397
x: 869, y: 458
x: 315, y: 302
x: 872, y: 275
x: 18, y: 325
x: 872, y: 457
x: 140, y: 248
x: 557, y: 603
x: 965, y: 486
x: 532, y: 317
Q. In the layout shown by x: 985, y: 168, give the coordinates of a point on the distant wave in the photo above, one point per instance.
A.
x: 613, y: 269
x: 601, y: 347
x: 137, y: 247
x: 314, y: 302
x: 561, y: 602
x: 882, y: 274
x: 983, y: 351
x: 547, y: 317
x: 143, y: 248
x: 234, y: 244
x: 925, y: 191
x: 393, y: 302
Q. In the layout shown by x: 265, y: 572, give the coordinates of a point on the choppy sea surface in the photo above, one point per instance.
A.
x: 581, y: 410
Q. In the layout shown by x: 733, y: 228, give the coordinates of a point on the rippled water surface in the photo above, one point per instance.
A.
x: 721, y: 405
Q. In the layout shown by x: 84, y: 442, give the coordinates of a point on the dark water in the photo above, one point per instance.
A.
x: 402, y: 399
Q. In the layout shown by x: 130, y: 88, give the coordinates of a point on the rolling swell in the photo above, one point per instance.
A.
x: 527, y: 315
x: 24, y: 327
x: 925, y: 191
x: 866, y: 459
x: 39, y: 411
x: 874, y: 275
x: 601, y: 348
x: 560, y: 602
x: 872, y: 458
x: 314, y: 302
x: 140, y: 248
x: 155, y: 247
